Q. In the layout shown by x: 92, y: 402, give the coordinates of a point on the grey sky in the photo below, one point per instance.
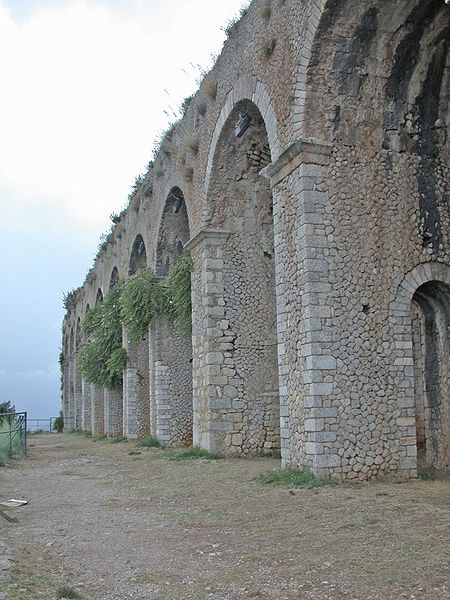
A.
x: 82, y: 102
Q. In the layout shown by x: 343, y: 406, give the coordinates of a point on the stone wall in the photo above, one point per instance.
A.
x: 320, y: 241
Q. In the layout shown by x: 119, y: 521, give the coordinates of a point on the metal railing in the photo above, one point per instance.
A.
x: 35, y: 425
x: 13, y: 433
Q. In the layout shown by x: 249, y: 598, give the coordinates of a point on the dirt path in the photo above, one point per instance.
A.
x: 114, y: 525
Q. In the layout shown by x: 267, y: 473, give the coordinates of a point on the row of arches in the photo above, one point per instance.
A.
x: 296, y: 340
x: 157, y: 394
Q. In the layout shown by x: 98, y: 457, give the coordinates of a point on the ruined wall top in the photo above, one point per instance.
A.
x: 371, y: 75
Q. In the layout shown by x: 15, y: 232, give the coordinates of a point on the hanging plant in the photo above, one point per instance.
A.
x: 99, y: 358
x: 116, y: 363
x: 178, y: 293
x: 142, y: 299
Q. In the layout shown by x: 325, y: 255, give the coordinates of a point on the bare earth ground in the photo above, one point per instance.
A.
x: 114, y: 525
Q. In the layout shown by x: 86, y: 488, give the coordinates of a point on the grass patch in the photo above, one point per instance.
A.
x: 210, y: 87
x: 119, y: 440
x: 294, y: 478
x: 67, y: 592
x: 99, y: 438
x: 149, y: 442
x: 191, y: 453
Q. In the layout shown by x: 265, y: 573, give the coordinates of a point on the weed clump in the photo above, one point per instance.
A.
x: 67, y: 592
x: 294, y: 478
x: 192, y: 452
x: 269, y: 47
x: 149, y: 442
x: 58, y: 423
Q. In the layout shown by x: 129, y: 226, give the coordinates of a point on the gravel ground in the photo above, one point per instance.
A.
x: 112, y: 522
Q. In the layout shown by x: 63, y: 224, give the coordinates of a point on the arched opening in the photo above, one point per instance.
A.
x: 136, y: 389
x: 77, y: 379
x: 170, y: 348
x: 430, y: 333
x: 240, y: 202
x: 99, y: 297
x: 114, y: 396
x: 71, y: 382
x: 114, y: 279
x: 173, y: 232
x: 65, y: 377
x: 86, y: 423
x: 78, y: 334
x: 138, y: 257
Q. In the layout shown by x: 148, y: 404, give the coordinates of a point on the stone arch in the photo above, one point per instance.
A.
x: 99, y: 296
x: 136, y: 385
x: 113, y: 397
x: 78, y: 334
x: 420, y: 320
x: 250, y: 89
x: 240, y: 206
x: 72, y: 345
x: 86, y: 404
x: 77, y: 383
x: 173, y: 232
x: 170, y: 349
x: 138, y: 256
x: 115, y: 278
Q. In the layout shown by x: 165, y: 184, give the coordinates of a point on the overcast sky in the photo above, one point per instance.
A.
x: 86, y: 86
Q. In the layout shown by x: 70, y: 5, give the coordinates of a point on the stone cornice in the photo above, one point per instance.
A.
x: 302, y: 151
x: 214, y: 237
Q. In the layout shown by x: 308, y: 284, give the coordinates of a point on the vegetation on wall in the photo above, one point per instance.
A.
x: 144, y: 297
x: 99, y: 360
x: 134, y: 305
x: 178, y: 293
x: 141, y: 301
x: 69, y: 299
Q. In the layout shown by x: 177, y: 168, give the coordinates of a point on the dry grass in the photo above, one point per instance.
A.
x: 210, y: 88
x: 192, y: 145
x: 209, y: 529
x: 266, y: 11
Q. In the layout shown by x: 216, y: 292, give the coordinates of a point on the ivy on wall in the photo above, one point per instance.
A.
x: 134, y: 304
x: 178, y: 293
x: 101, y: 359
x: 142, y: 299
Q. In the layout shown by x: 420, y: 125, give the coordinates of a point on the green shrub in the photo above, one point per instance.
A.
x: 269, y: 47
x: 149, y: 442
x: 294, y: 478
x: 67, y: 592
x: 192, y: 452
x: 58, y: 423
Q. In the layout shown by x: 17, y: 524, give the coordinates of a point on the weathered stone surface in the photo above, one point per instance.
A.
x: 319, y: 239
